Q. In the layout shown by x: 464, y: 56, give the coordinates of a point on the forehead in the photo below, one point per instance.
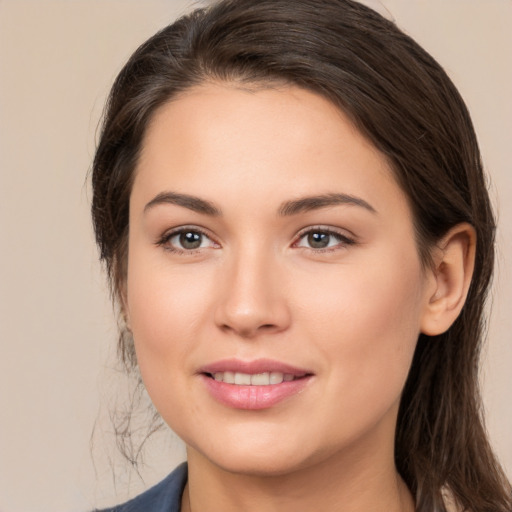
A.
x: 220, y: 139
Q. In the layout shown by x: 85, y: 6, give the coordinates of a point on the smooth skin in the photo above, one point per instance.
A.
x: 227, y: 260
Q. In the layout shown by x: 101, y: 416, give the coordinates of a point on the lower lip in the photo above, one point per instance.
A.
x: 253, y: 397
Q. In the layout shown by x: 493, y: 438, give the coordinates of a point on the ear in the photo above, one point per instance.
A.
x: 453, y: 264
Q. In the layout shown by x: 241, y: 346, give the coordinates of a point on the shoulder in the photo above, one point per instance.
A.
x: 163, y: 497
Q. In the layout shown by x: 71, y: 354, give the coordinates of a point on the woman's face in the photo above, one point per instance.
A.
x: 274, y: 287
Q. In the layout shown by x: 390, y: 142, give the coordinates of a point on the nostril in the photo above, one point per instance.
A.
x: 248, y: 331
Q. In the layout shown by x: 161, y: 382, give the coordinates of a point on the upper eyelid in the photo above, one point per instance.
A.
x: 179, y: 229
x: 172, y: 232
x: 326, y: 229
x: 344, y: 240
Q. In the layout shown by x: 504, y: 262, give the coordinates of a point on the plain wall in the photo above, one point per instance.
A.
x: 57, y: 333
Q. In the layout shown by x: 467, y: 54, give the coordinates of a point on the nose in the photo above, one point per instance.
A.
x: 252, y: 299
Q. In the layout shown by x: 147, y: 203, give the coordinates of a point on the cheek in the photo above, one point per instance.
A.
x: 368, y: 298
x: 366, y: 323
x: 165, y: 308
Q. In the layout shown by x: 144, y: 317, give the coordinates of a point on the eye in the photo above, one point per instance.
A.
x: 185, y: 240
x: 319, y: 239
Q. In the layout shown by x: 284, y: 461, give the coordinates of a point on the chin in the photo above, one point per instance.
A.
x: 260, y: 459
x: 264, y: 465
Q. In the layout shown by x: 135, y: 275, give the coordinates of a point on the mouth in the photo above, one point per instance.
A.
x: 254, y: 385
x: 255, y: 379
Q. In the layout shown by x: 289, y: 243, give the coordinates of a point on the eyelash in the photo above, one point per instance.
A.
x: 343, y: 239
x: 164, y: 241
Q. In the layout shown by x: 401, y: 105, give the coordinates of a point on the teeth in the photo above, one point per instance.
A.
x: 242, y: 379
x: 260, y: 379
x: 228, y: 377
x: 276, y: 377
x: 257, y: 379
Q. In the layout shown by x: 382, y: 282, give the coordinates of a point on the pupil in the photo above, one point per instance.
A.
x: 190, y: 240
x: 318, y: 240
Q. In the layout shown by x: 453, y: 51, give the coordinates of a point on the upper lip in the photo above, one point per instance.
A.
x: 253, y: 367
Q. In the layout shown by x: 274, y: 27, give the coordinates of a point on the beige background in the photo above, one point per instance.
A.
x: 57, y: 60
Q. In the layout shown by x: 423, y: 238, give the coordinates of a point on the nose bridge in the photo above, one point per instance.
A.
x: 253, y: 299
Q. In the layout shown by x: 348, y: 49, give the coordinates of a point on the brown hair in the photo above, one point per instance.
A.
x: 400, y: 98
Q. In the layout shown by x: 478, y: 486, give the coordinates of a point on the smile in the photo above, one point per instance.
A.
x: 257, y: 379
x: 253, y: 385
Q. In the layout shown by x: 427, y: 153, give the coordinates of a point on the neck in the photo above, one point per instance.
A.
x: 348, y: 482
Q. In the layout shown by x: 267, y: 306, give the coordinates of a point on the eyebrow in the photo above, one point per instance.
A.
x: 322, y: 201
x: 286, y: 209
x: 193, y: 203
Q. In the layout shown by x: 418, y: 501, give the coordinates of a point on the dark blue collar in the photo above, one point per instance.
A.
x: 163, y: 497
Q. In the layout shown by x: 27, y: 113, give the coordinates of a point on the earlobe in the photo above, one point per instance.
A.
x: 454, y: 260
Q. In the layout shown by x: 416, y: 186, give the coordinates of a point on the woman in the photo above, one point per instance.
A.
x: 289, y: 200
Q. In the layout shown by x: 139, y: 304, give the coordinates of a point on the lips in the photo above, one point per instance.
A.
x: 258, y: 384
